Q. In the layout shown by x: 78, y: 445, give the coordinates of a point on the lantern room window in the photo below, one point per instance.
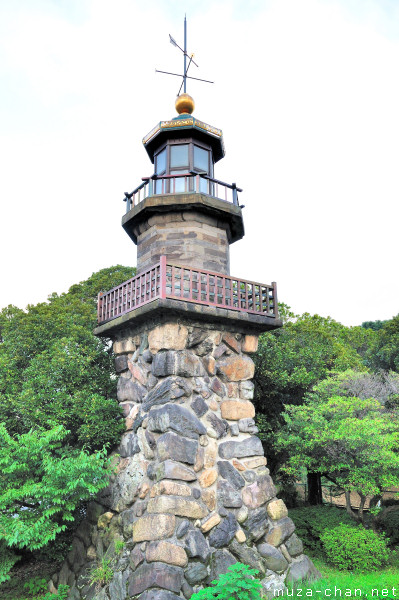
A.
x: 184, y: 156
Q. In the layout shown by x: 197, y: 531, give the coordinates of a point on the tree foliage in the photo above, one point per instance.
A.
x: 291, y: 360
x: 42, y: 482
x: 384, y: 352
x: 58, y: 413
x: 352, y: 441
x: 53, y: 370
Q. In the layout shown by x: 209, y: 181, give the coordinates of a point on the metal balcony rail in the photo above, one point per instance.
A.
x: 165, y: 280
x: 182, y: 183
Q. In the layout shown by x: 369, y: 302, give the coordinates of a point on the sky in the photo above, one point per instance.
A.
x: 306, y: 93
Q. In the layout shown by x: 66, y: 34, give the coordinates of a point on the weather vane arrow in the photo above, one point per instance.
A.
x: 185, y: 66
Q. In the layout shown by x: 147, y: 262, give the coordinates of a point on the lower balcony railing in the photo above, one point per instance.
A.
x: 165, y: 280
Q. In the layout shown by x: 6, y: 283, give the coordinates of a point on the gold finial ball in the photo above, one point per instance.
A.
x: 184, y: 104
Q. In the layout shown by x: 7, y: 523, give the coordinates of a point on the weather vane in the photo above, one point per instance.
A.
x: 185, y: 66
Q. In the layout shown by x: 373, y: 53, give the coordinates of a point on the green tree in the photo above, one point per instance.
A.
x: 384, y: 352
x: 291, y: 360
x: 42, y: 482
x: 53, y: 370
x: 352, y: 441
x: 58, y: 413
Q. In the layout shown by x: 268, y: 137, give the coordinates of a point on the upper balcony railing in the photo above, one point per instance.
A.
x: 182, y: 183
x: 177, y: 282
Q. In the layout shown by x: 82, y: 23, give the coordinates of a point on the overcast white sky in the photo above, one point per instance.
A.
x: 307, y: 96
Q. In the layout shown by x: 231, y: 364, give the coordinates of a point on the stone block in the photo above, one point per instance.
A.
x: 227, y: 495
x: 246, y: 555
x: 130, y: 391
x: 302, y: 570
x: 259, y: 492
x: 177, y: 505
x: 167, y: 553
x: 199, y: 406
x: 183, y: 363
x: 138, y: 373
x: 218, y: 387
x: 155, y: 575
x: 227, y: 471
x: 176, y: 418
x: 232, y: 341
x: 121, y: 363
x: 155, y: 594
x: 277, y: 510
x: 294, y: 545
x: 274, y: 559
x: 195, y: 573
x: 170, y: 488
x: 256, y: 524
x: 236, y: 367
x: 209, y: 498
x: 210, y: 365
x: 207, y: 478
x: 170, y: 469
x: 253, y: 463
x: 219, y: 426
x: 167, y: 390
x: 220, y: 561
x: 222, y: 534
x: 176, y: 447
x: 247, y: 425
x: 210, y: 522
x: 171, y: 336
x: 210, y: 453
x: 197, y: 546
x: 247, y: 389
x: 251, y: 446
x: 154, y: 527
x: 129, y: 445
x: 280, y: 532
x: 234, y: 410
x: 250, y: 343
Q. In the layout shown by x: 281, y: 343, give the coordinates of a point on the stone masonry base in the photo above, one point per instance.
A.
x: 191, y: 493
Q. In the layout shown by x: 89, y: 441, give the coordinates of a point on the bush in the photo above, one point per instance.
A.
x: 353, y: 548
x: 389, y: 523
x: 312, y: 521
x: 238, y: 584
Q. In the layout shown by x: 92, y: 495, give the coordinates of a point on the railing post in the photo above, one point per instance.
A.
x: 99, y: 306
x: 151, y: 186
x: 275, y: 303
x: 235, y: 196
x: 162, y: 272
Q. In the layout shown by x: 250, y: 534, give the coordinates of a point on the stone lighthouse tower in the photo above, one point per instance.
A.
x: 191, y: 493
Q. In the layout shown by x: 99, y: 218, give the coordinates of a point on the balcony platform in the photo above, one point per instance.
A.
x: 176, y: 291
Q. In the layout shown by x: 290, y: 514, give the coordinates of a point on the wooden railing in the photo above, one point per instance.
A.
x: 178, y: 282
x: 182, y: 183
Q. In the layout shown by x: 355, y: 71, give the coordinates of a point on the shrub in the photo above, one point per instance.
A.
x: 389, y: 523
x: 353, y: 548
x: 238, y: 584
x: 8, y: 558
x: 312, y: 521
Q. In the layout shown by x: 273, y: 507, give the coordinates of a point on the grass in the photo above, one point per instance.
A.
x: 343, y: 584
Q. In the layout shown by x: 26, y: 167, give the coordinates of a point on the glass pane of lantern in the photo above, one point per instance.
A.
x: 161, y: 162
x: 177, y: 184
x: 201, y: 159
x: 179, y: 155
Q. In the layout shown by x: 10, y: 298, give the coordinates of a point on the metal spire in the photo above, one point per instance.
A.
x: 185, y: 65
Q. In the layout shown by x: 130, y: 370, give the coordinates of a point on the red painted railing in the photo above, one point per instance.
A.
x: 178, y: 282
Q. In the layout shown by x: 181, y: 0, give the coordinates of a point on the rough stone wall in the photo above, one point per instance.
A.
x: 186, y: 237
x: 191, y: 493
